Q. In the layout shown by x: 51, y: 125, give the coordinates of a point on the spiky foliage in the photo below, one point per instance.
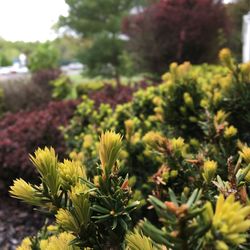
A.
x: 94, y: 214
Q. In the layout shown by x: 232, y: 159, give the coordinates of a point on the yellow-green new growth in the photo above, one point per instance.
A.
x: 45, y: 161
x: 209, y: 170
x: 229, y: 222
x: 245, y: 154
x: 67, y: 221
x: 129, y: 126
x: 80, y: 199
x: 70, y: 172
x: 137, y: 241
x: 153, y: 139
x: 59, y: 242
x: 226, y: 59
x: 24, y: 191
x: 188, y: 100
x: 230, y: 132
x: 178, y: 145
x: 109, y: 150
x: 25, y: 244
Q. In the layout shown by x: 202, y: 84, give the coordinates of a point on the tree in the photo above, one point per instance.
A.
x: 68, y: 47
x: 99, y: 21
x: 176, y: 30
x: 45, y: 56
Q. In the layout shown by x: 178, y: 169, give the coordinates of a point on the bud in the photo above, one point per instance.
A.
x: 129, y: 126
x: 209, y: 170
x: 194, y: 142
x: 221, y: 245
x: 62, y: 241
x: 245, y: 154
x: 230, y: 221
x: 173, y: 173
x: 26, y: 244
x: 66, y: 220
x: 188, y: 100
x: 230, y: 132
x: 217, y: 97
x: 76, y: 156
x: 204, y: 103
x: 220, y: 117
x: 173, y: 68
x: 70, y: 172
x: 87, y: 141
x: 192, y: 119
x: 136, y: 240
x: 52, y: 228
x: 153, y: 139
x: 245, y: 69
x: 184, y: 69
x: 46, y: 164
x: 225, y: 57
x: 109, y: 150
x: 157, y: 101
x: 208, y: 212
x: 80, y: 199
x: 186, y: 191
x: 166, y: 77
x: 178, y: 145
x: 183, y: 110
x: 24, y: 191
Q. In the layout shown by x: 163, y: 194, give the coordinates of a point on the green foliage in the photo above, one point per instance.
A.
x: 45, y: 56
x: 100, y: 22
x: 90, y: 18
x: 63, y: 88
x: 68, y: 47
x: 102, y: 57
x: 4, y: 61
x: 11, y: 50
x: 181, y: 152
x: 97, y: 211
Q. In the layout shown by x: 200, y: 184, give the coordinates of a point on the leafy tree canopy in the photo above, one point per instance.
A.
x: 100, y: 21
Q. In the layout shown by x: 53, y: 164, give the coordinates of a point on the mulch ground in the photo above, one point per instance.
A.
x: 16, y: 222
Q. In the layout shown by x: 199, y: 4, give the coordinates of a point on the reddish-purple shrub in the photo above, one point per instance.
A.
x: 112, y: 95
x: 24, y: 132
x: 176, y: 30
x: 115, y: 95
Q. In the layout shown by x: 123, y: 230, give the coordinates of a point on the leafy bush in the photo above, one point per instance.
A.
x: 45, y: 56
x: 22, y: 132
x: 197, y: 181
x: 23, y: 94
x: 97, y: 212
x: 63, y: 88
x: 4, y: 60
x: 188, y: 104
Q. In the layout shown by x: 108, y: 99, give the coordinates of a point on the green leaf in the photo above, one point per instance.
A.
x: 172, y: 196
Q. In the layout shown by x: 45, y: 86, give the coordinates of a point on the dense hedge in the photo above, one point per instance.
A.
x: 23, y: 132
x: 177, y: 152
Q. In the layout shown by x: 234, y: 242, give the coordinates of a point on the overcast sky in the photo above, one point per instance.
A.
x: 30, y: 20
